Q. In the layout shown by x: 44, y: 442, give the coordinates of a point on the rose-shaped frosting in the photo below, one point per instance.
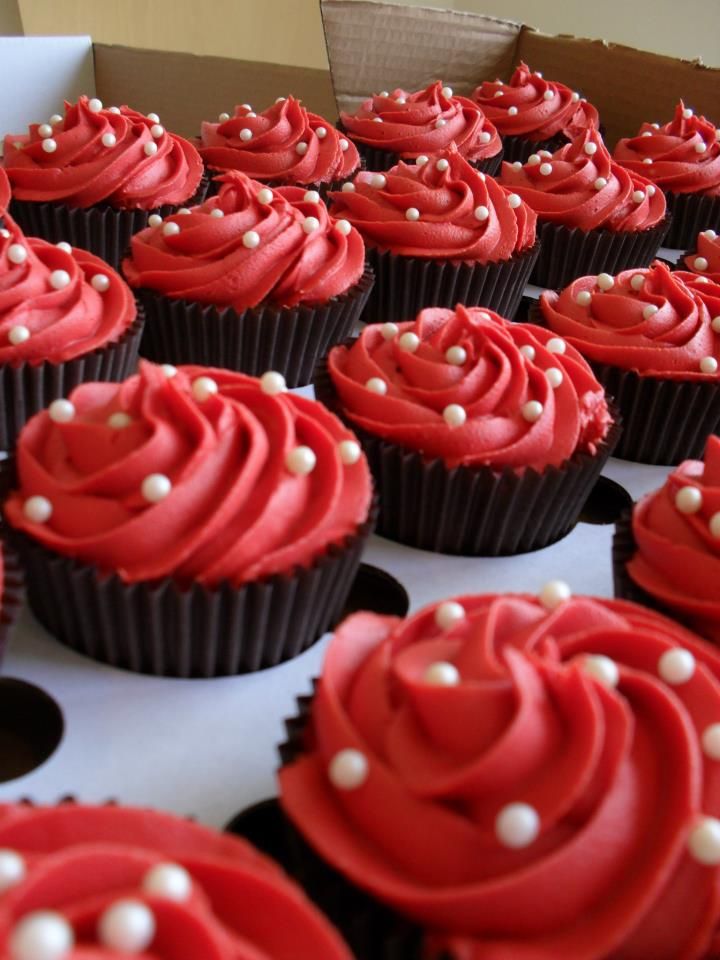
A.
x: 286, y: 143
x: 682, y: 156
x: 645, y: 320
x: 473, y: 389
x: 197, y: 893
x: 705, y: 261
x: 199, y: 474
x: 581, y: 186
x: 248, y: 245
x: 441, y: 209
x: 95, y: 155
x: 706, y: 289
x: 411, y: 124
x: 524, y: 779
x: 56, y: 303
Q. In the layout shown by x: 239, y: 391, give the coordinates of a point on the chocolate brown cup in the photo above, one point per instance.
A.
x: 691, y: 214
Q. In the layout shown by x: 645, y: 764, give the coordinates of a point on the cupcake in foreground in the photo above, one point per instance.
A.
x: 593, y: 215
x: 195, y: 522
x: 683, y: 158
x: 439, y: 232
x: 484, y: 436
x: 83, y: 881
x: 390, y: 127
x: 254, y: 279
x: 533, y: 114
x: 93, y: 177
x: 654, y: 347
x: 285, y: 144
x: 547, y: 771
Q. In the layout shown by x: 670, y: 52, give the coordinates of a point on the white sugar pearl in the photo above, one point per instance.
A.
x: 378, y: 120
x: 647, y: 160
x: 538, y: 73
x: 447, y: 91
x: 41, y: 935
x: 584, y: 298
x: 456, y: 356
x: 171, y: 229
x: 637, y: 282
x: 61, y: 411
x: 715, y: 525
x: 157, y: 130
x: 481, y: 213
x: 514, y: 200
x: 512, y: 111
x: 5, y: 234
x: 108, y: 139
x: 590, y: 149
x: 553, y: 593
x: 12, y: 869
x: 498, y: 93
x: 688, y: 500
x: 128, y: 926
x: 344, y: 145
x: 168, y: 880
x: 349, y: 451
x: 321, y: 132
x: 650, y: 190
x: 575, y: 97
x: 442, y: 674
x: 449, y: 613
x: 310, y: 224
x: 409, y: 341
x: 376, y: 385
x: 602, y: 669
x: 18, y: 334
x: 442, y: 164
x: 49, y: 145
x: 251, y: 239
x: 517, y: 825
x: 95, y: 105
x: 119, y: 420
x: 168, y: 370
x: 311, y: 196
x: 203, y: 388
x: 150, y: 116
x: 710, y: 743
x: 534, y: 159
x: 638, y: 196
x: 217, y: 213
x: 556, y: 345
x: 383, y: 93
x: 687, y: 113
x: 646, y: 133
x: 412, y: 213
x: 56, y: 118
x: 400, y: 100
x: 155, y: 487
x: 389, y: 330
x: 546, y: 169
x: 655, y: 126
x: 154, y: 220
x: 223, y: 117
x: 272, y: 383
x: 548, y: 95
x: 704, y: 842
x: 708, y: 365
x: 485, y: 137
x: 301, y: 149
x: 516, y: 165
x: 38, y: 509
x: 531, y: 411
x: 59, y: 279
x: 343, y: 226
x: 605, y: 281
x: 649, y: 311
x: 246, y: 134
x: 45, y: 130
x: 715, y: 324
x: 528, y: 352
x: 265, y: 195
x: 378, y: 180
x: 554, y: 376
x: 150, y: 149
x: 348, y: 769
x: 600, y: 183
x: 440, y: 122
x: 301, y: 461
x: 454, y: 415
x: 280, y: 99
x: 709, y: 234
x: 17, y: 253
x: 421, y: 160
x: 676, y: 666
x: 100, y: 282
x: 701, y: 280
x: 700, y: 263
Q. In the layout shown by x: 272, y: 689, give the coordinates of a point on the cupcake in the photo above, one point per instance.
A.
x: 704, y: 260
x: 667, y: 554
x: 438, y: 233
x: 253, y: 279
x: 484, y: 436
x: 286, y: 144
x: 593, y: 215
x: 683, y: 158
x: 652, y: 345
x: 65, y: 317
x: 398, y: 126
x: 533, y: 114
x: 95, y: 176
x: 83, y: 881
x: 546, y: 772
x: 190, y: 522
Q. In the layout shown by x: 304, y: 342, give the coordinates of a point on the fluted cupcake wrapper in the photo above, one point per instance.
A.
x: 12, y: 591
x: 289, y: 340
x: 167, y: 630
x: 623, y: 549
x: 691, y: 213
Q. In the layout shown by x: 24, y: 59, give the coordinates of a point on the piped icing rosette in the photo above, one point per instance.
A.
x: 705, y: 261
x: 643, y: 320
x: 82, y: 882
x: 96, y: 155
x: 579, y: 185
x: 534, y: 108
x: 547, y: 771
x: 441, y: 208
x: 682, y: 156
x: 285, y: 143
x: 236, y: 478
x: 472, y: 389
x: 248, y: 245
x: 424, y: 122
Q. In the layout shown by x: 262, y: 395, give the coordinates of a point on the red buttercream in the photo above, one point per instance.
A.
x: 614, y: 328
x: 677, y: 166
x: 81, y: 860
x: 448, y: 202
x: 412, y: 124
x: 235, y: 512
x: 617, y: 777
x: 271, y: 152
x: 535, y: 116
x: 210, y: 261
x: 706, y: 289
x: 5, y: 195
x: 82, y: 170
x: 492, y: 385
x: 707, y: 248
x: 584, y: 188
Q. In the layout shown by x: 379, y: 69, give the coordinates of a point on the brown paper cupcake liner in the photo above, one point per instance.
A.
x: 624, y: 548
x: 691, y: 213
x: 167, y: 630
x: 26, y: 390
x: 288, y: 339
x: 472, y: 511
x: 12, y: 591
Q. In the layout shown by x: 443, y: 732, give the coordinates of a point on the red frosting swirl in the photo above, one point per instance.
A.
x: 646, y: 320
x: 286, y: 143
x: 502, y: 379
x: 56, y: 303
x: 411, y: 124
x: 682, y: 156
x: 534, y: 108
x: 230, y: 505
x: 81, y: 861
x: 249, y: 245
x: 115, y: 156
x: 462, y: 712
x: 705, y: 261
x: 580, y: 186
x: 706, y: 289
x: 443, y: 209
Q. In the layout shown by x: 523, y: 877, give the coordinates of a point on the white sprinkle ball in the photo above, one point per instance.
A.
x: 449, y: 613
x: 59, y: 279
x: 584, y: 298
x: 650, y: 190
x: 412, y: 213
x: 41, y: 935
x: 49, y: 145
x: 481, y: 213
x: 605, y: 281
x: 311, y: 196
x: 528, y: 351
x: 456, y: 356
x: 447, y: 92
x: 485, y: 137
x: 715, y: 324
x: 649, y: 311
x: 119, y: 420
x: 348, y: 769
x: 100, y: 282
x: 38, y: 509
x: 265, y: 195
x: 647, y: 160
x: 150, y: 149
x: 600, y: 183
x: 711, y: 741
x: 687, y: 113
x: 108, y: 139
x: 128, y: 926
x: 590, y: 149
x: 602, y: 668
x: 512, y: 111
x: 676, y: 666
x: 343, y: 226
x: 638, y: 196
x: 531, y: 411
x: 514, y: 200
x: 171, y: 229
x: 95, y: 105
x: 151, y: 116
x: 700, y: 263
x: 301, y: 461
x: 216, y: 212
x: 18, y: 334
x: 169, y: 881
x: 554, y: 593
x: 517, y: 825
x: 548, y: 95
x: 56, y: 118
x: 442, y: 674
x: 272, y: 383
x: 245, y: 134
x: 708, y: 365
x: 154, y: 220
x: 301, y: 148
x: 61, y: 411
x: 556, y: 345
x: 442, y: 164
x: 222, y: 117
x: 321, y: 132
x: 203, y: 388
x: 704, y: 841
x: 421, y: 160
x: 251, y: 239
x: 454, y: 415
x: 409, y: 342
x: 637, y: 282
x: 344, y: 145
x: 376, y: 385
x: 155, y: 487
x: 554, y: 376
x: 546, y: 169
x: 350, y: 452
x: 378, y: 180
x: 12, y: 869
x: 440, y: 122
x: 310, y: 224
x: 17, y: 253
x: 157, y: 130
